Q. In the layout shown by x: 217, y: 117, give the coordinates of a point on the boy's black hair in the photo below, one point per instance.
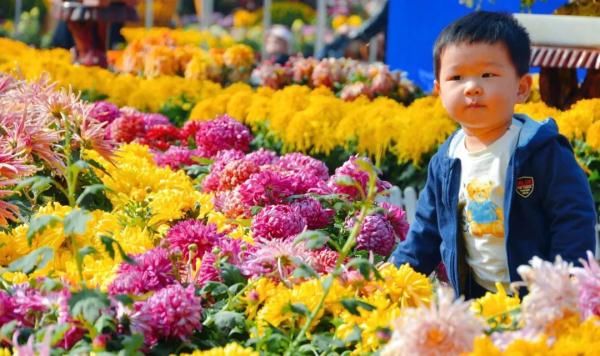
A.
x: 487, y: 27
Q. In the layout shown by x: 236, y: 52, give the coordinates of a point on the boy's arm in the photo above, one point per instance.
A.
x: 421, y: 248
x: 569, y: 206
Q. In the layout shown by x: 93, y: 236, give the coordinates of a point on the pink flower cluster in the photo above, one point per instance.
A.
x: 352, y: 181
x: 353, y: 77
x: 173, y: 312
x: 152, y: 271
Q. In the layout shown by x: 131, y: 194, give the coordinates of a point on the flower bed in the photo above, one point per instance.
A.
x: 186, y: 240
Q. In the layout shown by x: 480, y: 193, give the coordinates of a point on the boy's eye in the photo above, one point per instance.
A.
x: 488, y: 75
x: 454, y: 77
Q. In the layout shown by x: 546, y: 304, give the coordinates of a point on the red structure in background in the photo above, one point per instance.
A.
x: 89, y: 22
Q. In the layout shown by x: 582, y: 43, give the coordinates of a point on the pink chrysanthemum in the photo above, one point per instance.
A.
x: 265, y: 188
x: 175, y: 157
x: 172, y: 313
x: 278, y: 222
x: 7, y: 307
x: 209, y: 269
x: 103, y: 111
x: 221, y: 134
x: 324, y: 260
x: 188, y: 232
x: 447, y: 327
x: 236, y: 173
x: 350, y: 170
x: 310, y: 208
x: 397, y: 217
x: 231, y: 204
x: 262, y: 157
x: 588, y: 282
x: 153, y: 119
x: 298, y: 162
x: 153, y: 270
x: 232, y: 249
x: 303, y: 182
x: 28, y: 304
x: 376, y: 234
x: 211, y: 181
x: 552, y: 292
x: 275, y: 259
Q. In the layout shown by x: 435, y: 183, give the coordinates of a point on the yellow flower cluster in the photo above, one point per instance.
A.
x: 316, y: 121
x: 244, y: 18
x: 268, y: 303
x: 133, y: 179
x: 98, y: 269
x: 400, y: 288
x: 231, y: 349
x: 583, y: 339
x: 495, y: 308
x: 341, y: 20
x: 121, y: 89
x: 204, y: 38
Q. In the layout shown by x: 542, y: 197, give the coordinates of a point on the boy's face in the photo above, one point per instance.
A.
x: 479, y: 85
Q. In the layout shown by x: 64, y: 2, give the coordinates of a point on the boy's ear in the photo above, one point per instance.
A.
x: 524, y: 88
x: 436, y: 87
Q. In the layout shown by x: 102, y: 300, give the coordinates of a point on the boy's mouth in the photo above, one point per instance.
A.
x: 475, y: 106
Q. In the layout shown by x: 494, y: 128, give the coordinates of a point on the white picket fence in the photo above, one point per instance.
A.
x: 407, y: 199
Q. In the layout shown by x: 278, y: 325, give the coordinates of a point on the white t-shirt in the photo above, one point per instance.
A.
x: 482, y: 180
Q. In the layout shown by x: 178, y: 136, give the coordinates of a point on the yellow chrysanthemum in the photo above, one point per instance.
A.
x: 582, y: 340
x: 404, y: 285
x: 261, y: 289
x: 5, y: 352
x: 496, y: 307
x: 231, y: 349
x: 537, y: 110
x: 539, y: 347
x: 484, y: 346
x: 593, y: 135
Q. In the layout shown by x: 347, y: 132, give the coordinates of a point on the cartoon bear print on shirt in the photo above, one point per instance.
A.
x: 483, y: 215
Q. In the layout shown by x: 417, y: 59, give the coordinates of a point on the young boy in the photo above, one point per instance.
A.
x: 503, y: 188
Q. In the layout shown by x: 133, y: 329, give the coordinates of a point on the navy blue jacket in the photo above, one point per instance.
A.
x: 553, y: 213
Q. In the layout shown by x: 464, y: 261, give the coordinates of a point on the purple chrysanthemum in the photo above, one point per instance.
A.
x: 221, y: 134
x: 265, y: 188
x: 104, y: 111
x: 188, y: 232
x: 376, y: 234
x: 278, y: 222
x: 274, y: 259
x: 153, y: 270
x: 175, y: 157
x: 397, y: 217
x: 298, y: 162
x: 262, y: 157
x: 172, y: 313
x: 350, y: 170
x: 310, y: 208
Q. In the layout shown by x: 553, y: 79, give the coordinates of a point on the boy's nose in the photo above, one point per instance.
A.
x: 472, y: 88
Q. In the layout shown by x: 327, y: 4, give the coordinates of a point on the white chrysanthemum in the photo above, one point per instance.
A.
x: 552, y: 292
x: 447, y: 327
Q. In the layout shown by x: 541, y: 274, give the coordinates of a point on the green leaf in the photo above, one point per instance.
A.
x: 352, y: 305
x: 228, y: 320
x: 315, y: 239
x: 299, y: 308
x: 304, y: 271
x: 90, y: 189
x: 84, y: 251
x: 7, y: 330
x: 108, y: 242
x: 364, y: 267
x: 202, y: 160
x: 104, y: 322
x: 78, y: 166
x: 32, y: 261
x: 132, y: 345
x: 89, y: 304
x: 59, y: 332
x: 38, y: 224
x: 98, y: 166
x: 231, y: 274
x: 39, y: 184
x: 365, y: 165
x: 345, y: 180
x: 75, y: 222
